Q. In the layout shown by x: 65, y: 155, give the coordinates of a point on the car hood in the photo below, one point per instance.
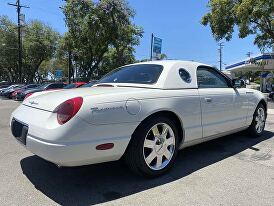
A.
x: 4, y: 90
x: 49, y: 100
x: 8, y: 91
x: 12, y: 90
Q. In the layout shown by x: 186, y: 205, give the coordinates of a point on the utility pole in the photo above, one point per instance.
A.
x: 221, y: 45
x: 19, y: 6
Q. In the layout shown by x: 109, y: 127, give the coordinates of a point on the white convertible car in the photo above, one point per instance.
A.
x: 143, y: 113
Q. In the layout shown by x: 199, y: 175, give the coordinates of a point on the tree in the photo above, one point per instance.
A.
x: 8, y: 50
x: 94, y: 29
x: 113, y: 59
x: 252, y: 17
x: 160, y: 57
x: 39, y: 45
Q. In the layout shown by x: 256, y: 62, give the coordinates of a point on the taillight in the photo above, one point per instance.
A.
x: 28, y: 95
x: 68, y: 109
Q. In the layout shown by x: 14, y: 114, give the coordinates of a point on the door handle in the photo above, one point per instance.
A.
x: 207, y: 99
x: 249, y: 92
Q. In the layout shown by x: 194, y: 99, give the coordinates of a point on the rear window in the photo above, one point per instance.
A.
x: 135, y: 74
x: 43, y: 86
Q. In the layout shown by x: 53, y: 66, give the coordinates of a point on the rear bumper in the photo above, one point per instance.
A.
x: 74, y: 143
x: 76, y: 154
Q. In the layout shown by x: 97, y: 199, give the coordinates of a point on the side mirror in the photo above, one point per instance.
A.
x: 243, y: 84
x: 238, y: 83
x: 233, y: 82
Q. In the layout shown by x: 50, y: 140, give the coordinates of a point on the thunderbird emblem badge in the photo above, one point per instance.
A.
x: 33, y: 103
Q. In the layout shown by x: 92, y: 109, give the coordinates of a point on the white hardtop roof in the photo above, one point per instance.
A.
x: 170, y: 78
x: 169, y: 63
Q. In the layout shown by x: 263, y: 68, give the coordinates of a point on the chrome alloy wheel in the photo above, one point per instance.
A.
x: 159, y: 146
x: 260, y: 120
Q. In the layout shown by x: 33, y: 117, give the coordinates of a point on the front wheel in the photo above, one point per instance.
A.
x: 258, y: 123
x: 153, y: 147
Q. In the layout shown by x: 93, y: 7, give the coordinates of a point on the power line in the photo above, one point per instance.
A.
x: 221, y: 45
x: 19, y: 7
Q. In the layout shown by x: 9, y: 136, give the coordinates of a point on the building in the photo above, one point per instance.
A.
x: 263, y: 63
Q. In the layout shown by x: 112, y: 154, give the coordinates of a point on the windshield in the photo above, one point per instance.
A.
x: 42, y: 87
x: 70, y: 86
x: 32, y: 86
x: 135, y: 74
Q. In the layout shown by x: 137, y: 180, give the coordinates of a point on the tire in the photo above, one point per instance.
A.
x: 253, y: 129
x: 144, y: 145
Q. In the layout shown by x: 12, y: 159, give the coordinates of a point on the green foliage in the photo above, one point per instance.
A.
x: 8, y: 50
x: 112, y: 60
x: 98, y: 31
x: 39, y: 45
x: 101, y: 36
x: 252, y: 17
x: 257, y: 81
x: 161, y: 57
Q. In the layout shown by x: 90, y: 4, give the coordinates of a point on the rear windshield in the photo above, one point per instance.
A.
x: 43, y: 86
x: 135, y: 74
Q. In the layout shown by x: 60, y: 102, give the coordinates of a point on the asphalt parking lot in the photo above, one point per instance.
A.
x: 233, y: 170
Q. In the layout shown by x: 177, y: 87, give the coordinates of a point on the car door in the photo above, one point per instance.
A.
x: 218, y: 102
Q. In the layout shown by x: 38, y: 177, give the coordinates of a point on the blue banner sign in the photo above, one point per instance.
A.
x: 157, y: 47
x: 58, y: 74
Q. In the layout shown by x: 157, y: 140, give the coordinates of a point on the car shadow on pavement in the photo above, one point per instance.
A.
x: 100, y: 183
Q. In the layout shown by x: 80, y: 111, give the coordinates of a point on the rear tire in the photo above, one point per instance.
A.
x: 153, y: 147
x: 257, y: 126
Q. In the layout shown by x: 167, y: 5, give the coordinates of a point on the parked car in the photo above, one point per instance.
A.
x: 8, y: 91
x: 48, y: 86
x: 4, y: 86
x: 90, y: 84
x: 74, y: 85
x: 17, y: 91
x: 271, y: 95
x: 142, y: 112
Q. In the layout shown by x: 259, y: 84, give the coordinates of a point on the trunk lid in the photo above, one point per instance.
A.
x: 49, y: 100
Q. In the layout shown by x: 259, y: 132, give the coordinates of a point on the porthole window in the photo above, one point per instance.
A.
x: 185, y: 76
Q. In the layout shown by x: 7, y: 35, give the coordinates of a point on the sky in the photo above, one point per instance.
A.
x: 177, y: 22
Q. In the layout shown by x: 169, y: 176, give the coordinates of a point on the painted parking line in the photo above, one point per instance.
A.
x: 270, y: 111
